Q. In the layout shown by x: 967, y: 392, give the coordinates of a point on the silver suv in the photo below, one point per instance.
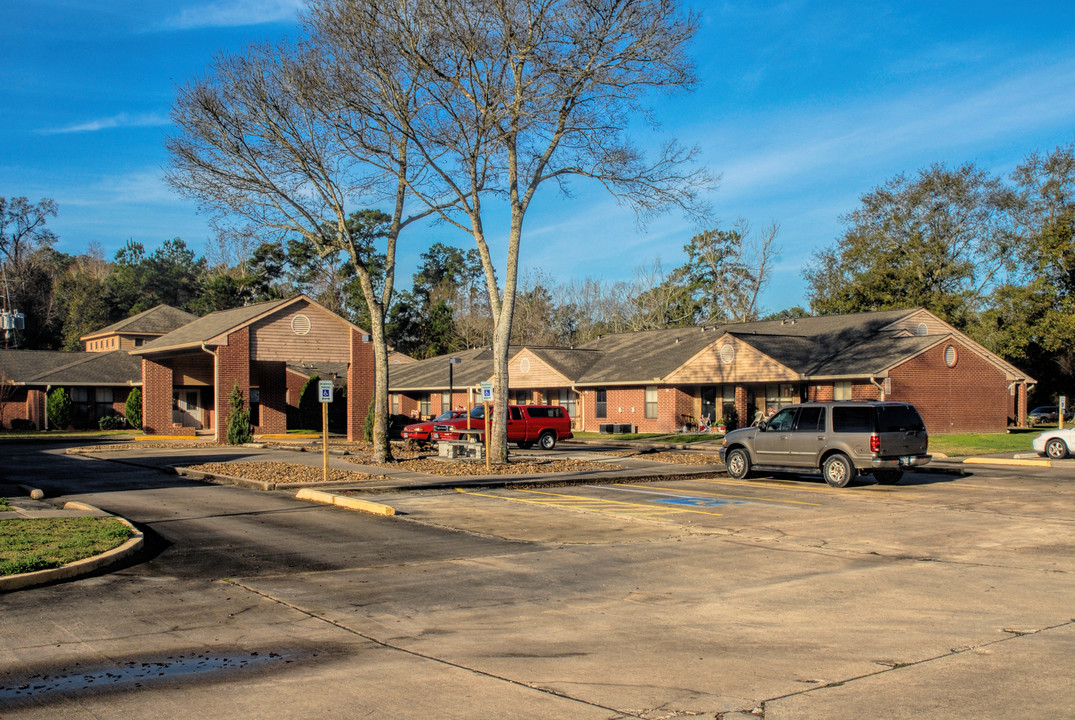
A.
x: 840, y: 439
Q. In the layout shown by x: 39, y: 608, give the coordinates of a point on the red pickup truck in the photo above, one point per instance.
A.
x: 527, y: 425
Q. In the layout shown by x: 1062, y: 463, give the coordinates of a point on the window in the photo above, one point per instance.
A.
x: 783, y: 420
x: 515, y: 413
x: 852, y: 419
x: 600, y: 403
x: 395, y: 404
x: 651, y: 402
x: 139, y: 342
x: 841, y: 390
x: 445, y: 402
x: 423, y: 405
x: 811, y: 419
x: 566, y: 400
x: 520, y: 397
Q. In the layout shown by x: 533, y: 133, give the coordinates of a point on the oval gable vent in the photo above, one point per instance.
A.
x: 524, y: 366
x: 300, y: 325
x: 727, y: 353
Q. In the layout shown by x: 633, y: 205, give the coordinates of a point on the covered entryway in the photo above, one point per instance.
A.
x: 189, y: 374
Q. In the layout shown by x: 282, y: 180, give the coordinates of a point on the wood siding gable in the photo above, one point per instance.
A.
x: 527, y: 370
x: 747, y: 365
x: 301, y: 331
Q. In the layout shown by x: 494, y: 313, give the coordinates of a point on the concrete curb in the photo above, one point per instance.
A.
x: 219, y: 479
x: 345, y: 502
x: 79, y: 568
x: 1015, y: 462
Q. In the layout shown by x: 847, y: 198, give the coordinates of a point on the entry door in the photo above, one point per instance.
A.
x: 709, y: 403
x: 187, y: 410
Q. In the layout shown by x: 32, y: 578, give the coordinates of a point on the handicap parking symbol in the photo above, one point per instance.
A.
x: 700, y: 502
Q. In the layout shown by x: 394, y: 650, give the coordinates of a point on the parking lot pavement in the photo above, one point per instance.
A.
x: 943, y: 596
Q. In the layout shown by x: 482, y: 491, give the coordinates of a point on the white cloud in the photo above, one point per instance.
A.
x: 232, y: 13
x: 123, y: 120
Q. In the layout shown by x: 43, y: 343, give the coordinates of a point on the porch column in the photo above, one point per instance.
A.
x: 360, y: 379
x: 156, y: 397
x: 232, y: 368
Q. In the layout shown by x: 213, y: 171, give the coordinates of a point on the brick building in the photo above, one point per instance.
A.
x: 188, y: 373
x: 660, y: 380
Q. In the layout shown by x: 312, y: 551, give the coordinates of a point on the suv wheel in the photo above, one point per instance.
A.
x: 547, y: 441
x: 738, y: 463
x: 1056, y: 448
x: 838, y: 470
x: 887, y: 477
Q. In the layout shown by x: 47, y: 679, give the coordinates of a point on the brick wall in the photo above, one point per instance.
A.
x: 233, y: 368
x: 271, y: 378
x: 157, y: 400
x: 972, y: 396
x: 360, y: 379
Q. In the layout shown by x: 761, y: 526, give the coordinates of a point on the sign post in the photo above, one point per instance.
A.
x: 1063, y: 408
x: 487, y: 398
x: 324, y: 391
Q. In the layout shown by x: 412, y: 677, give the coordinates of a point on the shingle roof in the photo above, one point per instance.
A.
x: 475, y: 366
x: 155, y: 321
x: 195, y: 333
x: 100, y: 368
x: 22, y: 365
x: 642, y: 356
x: 48, y: 367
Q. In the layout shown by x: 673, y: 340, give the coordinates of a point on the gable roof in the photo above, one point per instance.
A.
x: 158, y: 320
x: 20, y: 366
x: 205, y: 328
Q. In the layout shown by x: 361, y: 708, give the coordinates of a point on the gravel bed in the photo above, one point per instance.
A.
x: 452, y: 468
x: 164, y: 444
x: 281, y: 472
x: 670, y: 456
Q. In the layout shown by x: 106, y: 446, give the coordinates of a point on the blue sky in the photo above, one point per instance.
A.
x: 802, y: 108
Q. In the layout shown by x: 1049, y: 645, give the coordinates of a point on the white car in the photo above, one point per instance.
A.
x: 1055, y: 444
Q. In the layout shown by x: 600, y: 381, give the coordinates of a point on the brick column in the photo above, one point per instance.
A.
x: 272, y: 381
x: 745, y: 413
x: 232, y: 368
x: 156, y: 398
x: 360, y: 378
x: 1020, y: 405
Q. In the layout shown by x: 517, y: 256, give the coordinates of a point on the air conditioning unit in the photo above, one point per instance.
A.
x: 607, y: 428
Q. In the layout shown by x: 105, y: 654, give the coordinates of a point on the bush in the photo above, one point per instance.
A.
x: 133, y: 408
x: 59, y: 409
x: 239, y: 431
x: 112, y: 422
x: 22, y: 424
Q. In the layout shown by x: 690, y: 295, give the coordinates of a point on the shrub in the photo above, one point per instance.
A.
x: 112, y: 422
x: 239, y: 431
x: 22, y: 424
x: 133, y: 408
x: 59, y: 409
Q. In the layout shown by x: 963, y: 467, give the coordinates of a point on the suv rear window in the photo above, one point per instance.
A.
x: 898, y: 418
x: 848, y: 418
x: 811, y: 419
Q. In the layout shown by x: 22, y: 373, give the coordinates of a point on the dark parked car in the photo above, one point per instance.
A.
x: 1047, y: 414
x: 841, y: 440
x: 419, y: 432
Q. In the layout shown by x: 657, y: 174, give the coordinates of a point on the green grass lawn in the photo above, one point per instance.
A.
x: 965, y: 444
x: 65, y: 434
x: 29, y: 544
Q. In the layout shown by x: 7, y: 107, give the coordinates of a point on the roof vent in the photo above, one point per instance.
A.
x: 922, y: 330
x: 727, y: 353
x: 300, y: 325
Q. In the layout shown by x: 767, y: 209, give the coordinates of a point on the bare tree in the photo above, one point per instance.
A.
x: 514, y: 95
x: 290, y: 140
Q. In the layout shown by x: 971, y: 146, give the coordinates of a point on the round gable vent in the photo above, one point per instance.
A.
x: 727, y: 353
x: 524, y: 366
x: 951, y: 356
x: 300, y: 325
